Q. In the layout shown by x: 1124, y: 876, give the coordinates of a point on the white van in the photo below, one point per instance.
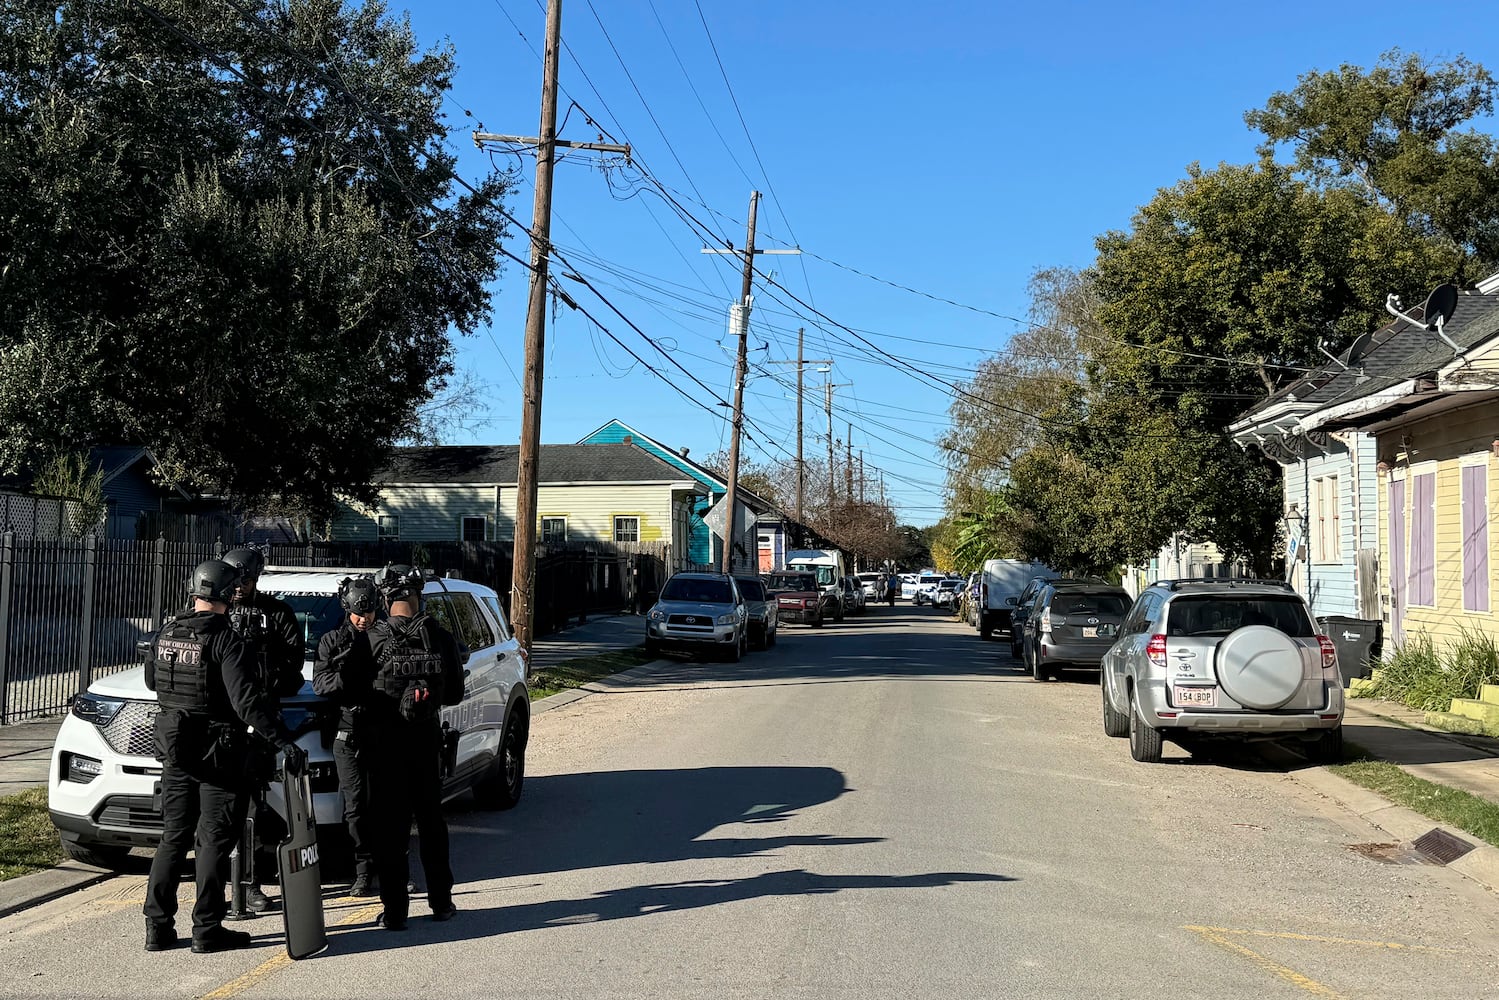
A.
x: 1000, y: 589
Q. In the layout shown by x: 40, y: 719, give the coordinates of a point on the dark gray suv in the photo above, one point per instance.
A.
x: 1072, y: 624
x: 1200, y: 659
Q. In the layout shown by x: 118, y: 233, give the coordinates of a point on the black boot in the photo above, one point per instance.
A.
x: 219, y: 939
x: 258, y: 902
x: 160, y: 937
x: 364, y: 885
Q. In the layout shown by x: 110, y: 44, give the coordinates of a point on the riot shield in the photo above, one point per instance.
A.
x: 301, y: 877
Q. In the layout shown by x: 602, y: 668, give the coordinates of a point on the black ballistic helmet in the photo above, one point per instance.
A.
x: 248, y: 561
x: 213, y: 580
x: 399, y: 582
x: 358, y: 595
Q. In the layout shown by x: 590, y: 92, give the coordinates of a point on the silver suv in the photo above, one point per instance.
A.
x: 699, y: 612
x: 1200, y: 659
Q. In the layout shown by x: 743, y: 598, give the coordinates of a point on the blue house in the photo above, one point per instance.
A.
x: 704, y: 548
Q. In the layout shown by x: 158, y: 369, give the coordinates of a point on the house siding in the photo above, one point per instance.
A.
x: 1331, y: 588
x: 701, y: 547
x: 590, y: 510
x: 1443, y: 445
x: 427, y: 513
x: 129, y: 494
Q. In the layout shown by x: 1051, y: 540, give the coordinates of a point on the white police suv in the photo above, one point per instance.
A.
x: 104, y: 785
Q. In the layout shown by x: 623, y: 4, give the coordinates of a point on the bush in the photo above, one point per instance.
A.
x: 1419, y: 675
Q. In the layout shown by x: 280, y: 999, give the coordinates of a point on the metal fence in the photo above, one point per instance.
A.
x: 71, y: 610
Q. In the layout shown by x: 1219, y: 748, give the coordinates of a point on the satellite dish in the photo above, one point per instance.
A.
x: 1440, y: 305
x: 1359, y: 347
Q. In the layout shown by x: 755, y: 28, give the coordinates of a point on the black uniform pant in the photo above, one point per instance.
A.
x: 406, y: 784
x: 353, y: 758
x: 205, y: 818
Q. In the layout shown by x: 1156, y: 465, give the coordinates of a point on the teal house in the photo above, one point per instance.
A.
x: 703, y: 548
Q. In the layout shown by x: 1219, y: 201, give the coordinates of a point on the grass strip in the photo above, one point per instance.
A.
x: 576, y: 672
x: 1452, y: 806
x: 28, y: 840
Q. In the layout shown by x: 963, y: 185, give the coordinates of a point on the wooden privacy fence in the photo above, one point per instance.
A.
x: 72, y: 609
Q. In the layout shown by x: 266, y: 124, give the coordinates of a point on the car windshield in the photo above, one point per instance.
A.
x: 317, y: 615
x: 751, y: 590
x: 697, y: 591
x: 1090, y: 604
x: 1214, y: 615
x: 793, y: 581
x: 949, y: 584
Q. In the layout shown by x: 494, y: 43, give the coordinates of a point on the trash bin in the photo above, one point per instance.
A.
x: 1358, y: 641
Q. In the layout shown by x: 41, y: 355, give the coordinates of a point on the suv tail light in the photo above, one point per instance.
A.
x: 1155, y: 651
x: 1329, y: 653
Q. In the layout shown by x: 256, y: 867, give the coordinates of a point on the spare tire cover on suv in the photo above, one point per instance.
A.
x: 1259, y: 666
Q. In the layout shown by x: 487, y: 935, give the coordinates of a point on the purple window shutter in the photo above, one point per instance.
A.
x: 1475, y: 538
x: 1423, y: 542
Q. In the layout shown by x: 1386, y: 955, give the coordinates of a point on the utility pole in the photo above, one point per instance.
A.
x: 741, y: 365
x: 523, y: 563
x: 848, y: 465
x: 801, y: 465
x: 832, y: 488
x: 861, y: 475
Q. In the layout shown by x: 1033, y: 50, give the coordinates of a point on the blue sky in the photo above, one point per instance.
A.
x: 953, y: 147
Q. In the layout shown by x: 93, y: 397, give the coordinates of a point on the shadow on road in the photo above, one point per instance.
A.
x: 635, y: 901
x: 602, y: 818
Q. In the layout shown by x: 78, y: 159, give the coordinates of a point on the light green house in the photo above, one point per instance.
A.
x: 586, y: 493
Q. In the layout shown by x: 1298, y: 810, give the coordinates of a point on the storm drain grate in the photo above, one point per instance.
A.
x: 1442, y: 847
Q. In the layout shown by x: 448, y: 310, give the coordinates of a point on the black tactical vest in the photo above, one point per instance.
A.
x: 180, y: 652
x: 408, y: 658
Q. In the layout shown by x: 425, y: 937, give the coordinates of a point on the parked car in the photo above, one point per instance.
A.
x: 947, y: 592
x: 870, y: 584
x: 1000, y: 593
x: 103, y: 790
x: 699, y: 613
x: 1200, y: 660
x: 1021, y: 612
x: 926, y: 588
x: 799, y: 598
x: 853, y: 596
x: 908, y: 583
x: 1072, y: 624
x: 762, y: 620
x: 969, y: 602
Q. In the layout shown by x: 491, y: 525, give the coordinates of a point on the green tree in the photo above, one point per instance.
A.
x: 232, y: 235
x: 1395, y: 131
x: 69, y: 476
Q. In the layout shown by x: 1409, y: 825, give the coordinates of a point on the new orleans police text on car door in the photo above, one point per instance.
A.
x: 102, y: 784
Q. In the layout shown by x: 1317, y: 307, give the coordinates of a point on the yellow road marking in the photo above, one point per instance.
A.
x: 1274, y: 968
x: 281, y: 960
x: 1291, y: 936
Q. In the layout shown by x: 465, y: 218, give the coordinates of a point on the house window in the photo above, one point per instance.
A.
x: 1423, y: 569
x: 553, y: 530
x: 475, y: 527
x: 389, y: 526
x: 1476, y: 537
x: 1327, y: 526
x: 627, y: 529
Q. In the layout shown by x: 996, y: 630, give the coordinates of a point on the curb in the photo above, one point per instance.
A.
x: 1480, y: 864
x: 568, y: 697
x: 22, y: 893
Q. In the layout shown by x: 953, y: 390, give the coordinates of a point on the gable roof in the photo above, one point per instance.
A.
x: 499, y: 465
x: 112, y: 460
x: 618, y: 430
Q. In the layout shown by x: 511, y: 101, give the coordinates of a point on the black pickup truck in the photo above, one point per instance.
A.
x: 799, y: 599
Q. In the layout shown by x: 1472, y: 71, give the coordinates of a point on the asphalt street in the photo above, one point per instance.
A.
x: 879, y: 808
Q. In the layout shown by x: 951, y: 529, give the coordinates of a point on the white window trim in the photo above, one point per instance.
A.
x: 553, y: 517
x: 626, y: 517
x: 380, y: 527
x: 464, y: 518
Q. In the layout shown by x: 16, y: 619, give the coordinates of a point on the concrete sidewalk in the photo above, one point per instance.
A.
x: 1395, y: 733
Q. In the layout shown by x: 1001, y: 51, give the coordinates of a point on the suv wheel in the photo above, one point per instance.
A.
x: 110, y: 857
x: 986, y: 630
x: 1328, y: 748
x: 734, y: 654
x: 1038, y: 671
x: 1144, y: 740
x: 1114, y: 723
x: 501, y: 787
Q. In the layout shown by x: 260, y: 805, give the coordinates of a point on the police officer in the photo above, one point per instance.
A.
x: 418, y: 669
x: 208, y: 692
x: 269, y: 627
x: 344, y: 673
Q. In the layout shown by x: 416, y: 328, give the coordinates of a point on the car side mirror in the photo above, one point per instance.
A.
x: 1012, y: 602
